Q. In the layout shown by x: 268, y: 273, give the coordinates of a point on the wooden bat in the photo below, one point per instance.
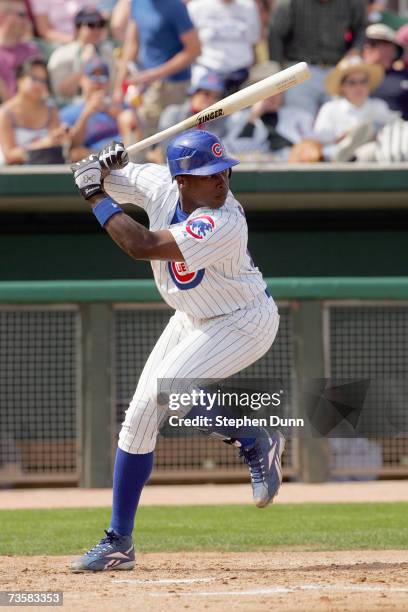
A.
x: 272, y: 85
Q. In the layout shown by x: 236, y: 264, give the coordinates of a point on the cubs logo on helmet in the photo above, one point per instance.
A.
x: 217, y: 149
x: 197, y: 152
x: 182, y: 278
x: 199, y: 227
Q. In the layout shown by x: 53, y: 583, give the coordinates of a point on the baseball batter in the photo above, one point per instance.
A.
x: 224, y: 317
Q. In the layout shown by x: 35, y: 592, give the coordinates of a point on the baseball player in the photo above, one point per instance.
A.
x: 224, y: 317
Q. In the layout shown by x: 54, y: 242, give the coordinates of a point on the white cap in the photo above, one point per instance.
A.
x: 380, y: 31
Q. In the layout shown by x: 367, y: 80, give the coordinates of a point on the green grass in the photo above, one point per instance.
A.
x: 228, y: 528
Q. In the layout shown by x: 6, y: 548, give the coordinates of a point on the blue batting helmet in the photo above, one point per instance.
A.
x: 197, y: 152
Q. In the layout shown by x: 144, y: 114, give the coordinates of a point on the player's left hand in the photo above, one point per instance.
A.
x: 88, y: 176
x: 113, y: 156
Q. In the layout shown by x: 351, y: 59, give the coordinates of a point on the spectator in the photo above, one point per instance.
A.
x: 353, y: 111
x: 54, y: 19
x: 270, y: 128
x: 14, y: 48
x: 66, y: 63
x: 163, y: 37
x: 208, y: 90
x: 30, y: 129
x: 382, y: 49
x: 320, y: 33
x: 94, y: 119
x: 228, y: 31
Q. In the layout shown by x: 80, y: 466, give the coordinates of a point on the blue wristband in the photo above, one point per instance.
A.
x: 105, y: 209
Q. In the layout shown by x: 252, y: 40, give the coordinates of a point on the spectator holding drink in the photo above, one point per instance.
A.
x: 95, y: 120
x: 66, y: 63
x: 162, y: 39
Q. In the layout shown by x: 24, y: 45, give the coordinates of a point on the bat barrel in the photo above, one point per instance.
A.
x: 272, y: 85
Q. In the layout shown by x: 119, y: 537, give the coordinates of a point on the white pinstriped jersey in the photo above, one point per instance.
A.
x: 218, y: 276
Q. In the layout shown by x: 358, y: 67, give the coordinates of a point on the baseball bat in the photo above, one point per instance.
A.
x: 271, y: 86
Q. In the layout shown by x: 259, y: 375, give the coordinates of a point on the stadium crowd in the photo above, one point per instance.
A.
x: 76, y: 75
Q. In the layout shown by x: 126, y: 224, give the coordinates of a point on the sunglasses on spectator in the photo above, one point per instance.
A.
x: 37, y: 79
x: 377, y: 43
x: 355, y: 82
x: 99, y: 78
x: 95, y: 25
x: 21, y: 13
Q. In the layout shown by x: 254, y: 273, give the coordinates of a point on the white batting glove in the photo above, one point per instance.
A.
x: 88, y: 176
x: 113, y: 156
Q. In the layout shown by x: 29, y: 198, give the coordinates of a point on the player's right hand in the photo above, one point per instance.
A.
x: 113, y: 156
x: 88, y: 176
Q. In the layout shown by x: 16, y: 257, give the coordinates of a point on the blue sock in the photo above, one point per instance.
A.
x: 130, y: 475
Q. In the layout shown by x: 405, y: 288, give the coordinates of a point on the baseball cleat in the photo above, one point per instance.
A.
x: 114, y: 552
x: 264, y: 462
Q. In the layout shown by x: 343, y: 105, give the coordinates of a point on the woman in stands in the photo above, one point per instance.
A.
x: 352, y: 118
x: 30, y: 128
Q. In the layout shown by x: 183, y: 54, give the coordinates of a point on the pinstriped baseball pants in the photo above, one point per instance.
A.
x: 191, y: 348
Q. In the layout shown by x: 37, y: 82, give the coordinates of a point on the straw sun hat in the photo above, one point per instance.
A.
x: 348, y: 65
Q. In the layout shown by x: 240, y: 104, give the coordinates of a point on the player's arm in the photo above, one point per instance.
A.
x: 132, y: 237
x: 139, y: 242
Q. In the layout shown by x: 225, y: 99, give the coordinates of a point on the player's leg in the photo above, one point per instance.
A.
x: 212, y: 349
x: 217, y: 349
x: 132, y: 469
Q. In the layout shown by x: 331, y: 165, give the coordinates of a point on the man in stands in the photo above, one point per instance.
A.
x: 320, y: 33
x: 382, y: 48
x: 95, y: 119
x: 165, y: 43
x: 66, y: 63
x: 228, y: 31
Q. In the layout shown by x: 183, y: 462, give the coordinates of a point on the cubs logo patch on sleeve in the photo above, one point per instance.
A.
x: 200, y: 227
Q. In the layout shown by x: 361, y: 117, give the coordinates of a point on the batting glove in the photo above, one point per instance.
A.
x: 113, y: 156
x: 88, y: 175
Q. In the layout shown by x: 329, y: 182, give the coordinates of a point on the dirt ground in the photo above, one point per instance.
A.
x: 281, y: 581
x: 210, y: 494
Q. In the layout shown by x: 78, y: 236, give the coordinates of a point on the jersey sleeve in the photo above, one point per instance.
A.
x: 139, y: 184
x: 208, y: 238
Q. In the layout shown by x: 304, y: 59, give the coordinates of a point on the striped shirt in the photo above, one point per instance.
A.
x: 315, y: 31
x: 218, y: 276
